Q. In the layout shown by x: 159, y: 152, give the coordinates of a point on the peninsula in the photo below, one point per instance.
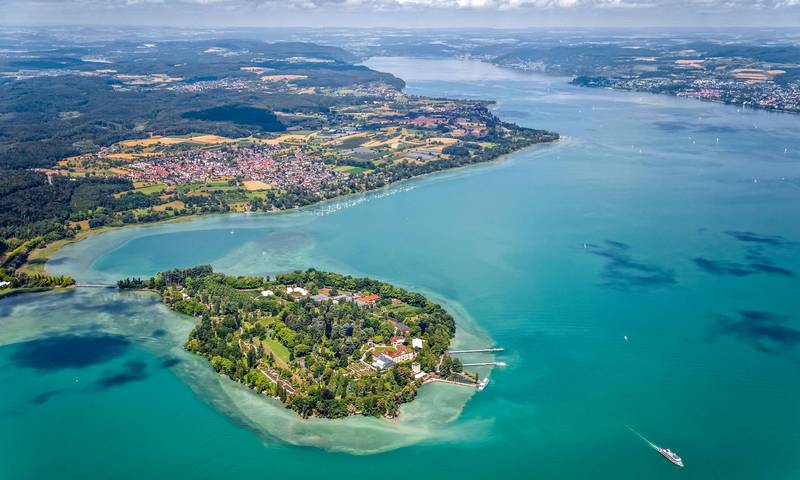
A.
x: 324, y: 344
x: 257, y: 128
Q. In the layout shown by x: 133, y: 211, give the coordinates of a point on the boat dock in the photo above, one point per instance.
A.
x: 478, y: 350
x: 484, y: 364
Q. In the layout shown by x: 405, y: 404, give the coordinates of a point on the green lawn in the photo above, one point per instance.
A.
x: 402, y: 310
x: 217, y: 184
x: 251, y: 194
x: 280, y: 351
x: 158, y: 188
x: 353, y: 170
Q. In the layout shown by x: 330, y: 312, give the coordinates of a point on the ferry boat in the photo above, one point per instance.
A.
x: 482, y: 384
x: 670, y: 455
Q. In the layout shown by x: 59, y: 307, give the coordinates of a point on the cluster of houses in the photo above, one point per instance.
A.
x: 399, y: 352
x: 362, y: 300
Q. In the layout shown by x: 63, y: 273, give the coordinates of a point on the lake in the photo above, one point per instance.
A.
x: 641, y: 272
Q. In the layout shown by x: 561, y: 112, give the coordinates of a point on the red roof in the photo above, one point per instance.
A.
x: 369, y: 298
x: 400, y: 350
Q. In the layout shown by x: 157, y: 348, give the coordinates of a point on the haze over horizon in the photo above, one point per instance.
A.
x: 405, y: 13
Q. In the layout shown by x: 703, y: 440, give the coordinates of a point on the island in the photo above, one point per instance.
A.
x: 323, y: 344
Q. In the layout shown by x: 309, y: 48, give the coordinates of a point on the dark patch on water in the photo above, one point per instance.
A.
x: 159, y: 333
x: 719, y: 129
x: 57, y: 261
x: 623, y: 272
x: 116, y: 307
x: 170, y: 362
x: 45, y: 396
x: 69, y: 351
x: 671, y: 126
x: 751, y: 237
x: 616, y: 244
x: 756, y: 261
x: 718, y: 267
x: 764, y: 331
x: 771, y: 269
x: 132, y: 371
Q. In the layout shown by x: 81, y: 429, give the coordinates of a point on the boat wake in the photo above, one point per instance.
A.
x: 652, y: 445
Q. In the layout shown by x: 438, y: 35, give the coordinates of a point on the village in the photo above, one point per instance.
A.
x: 358, y: 146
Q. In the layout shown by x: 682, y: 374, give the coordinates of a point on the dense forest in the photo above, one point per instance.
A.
x: 313, y: 354
x: 259, y: 117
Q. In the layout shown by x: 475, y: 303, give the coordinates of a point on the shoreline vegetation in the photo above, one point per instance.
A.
x: 34, y: 253
x: 323, y: 344
x: 37, y: 256
x: 313, y: 135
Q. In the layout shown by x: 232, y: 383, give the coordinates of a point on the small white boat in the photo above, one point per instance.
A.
x: 670, y: 455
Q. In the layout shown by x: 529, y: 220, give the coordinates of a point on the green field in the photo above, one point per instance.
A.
x: 351, y: 169
x: 157, y: 188
x: 280, y: 351
x: 256, y: 194
x: 403, y: 310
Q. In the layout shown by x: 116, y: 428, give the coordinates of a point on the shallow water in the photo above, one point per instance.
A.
x: 669, y: 221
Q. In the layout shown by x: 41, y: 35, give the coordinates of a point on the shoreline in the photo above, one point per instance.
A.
x: 38, y: 258
x: 465, y: 329
x: 569, y: 80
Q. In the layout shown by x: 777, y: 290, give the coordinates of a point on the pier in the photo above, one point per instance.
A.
x: 94, y: 285
x: 478, y: 350
x: 483, y: 364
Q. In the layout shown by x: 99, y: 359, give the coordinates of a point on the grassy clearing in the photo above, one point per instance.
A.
x: 262, y: 194
x: 278, y: 349
x: 351, y: 169
x: 402, y: 310
x: 177, y: 205
x: 157, y: 188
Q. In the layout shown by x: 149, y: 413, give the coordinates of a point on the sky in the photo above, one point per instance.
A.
x: 404, y: 13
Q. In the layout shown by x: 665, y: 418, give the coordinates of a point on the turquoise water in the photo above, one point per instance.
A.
x: 669, y: 221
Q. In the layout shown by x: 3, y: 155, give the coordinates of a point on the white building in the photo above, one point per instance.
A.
x: 267, y: 293
x: 299, y: 290
x: 416, y: 343
x: 382, y: 361
x: 4, y: 284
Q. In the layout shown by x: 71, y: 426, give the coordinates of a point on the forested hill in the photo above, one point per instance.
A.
x: 70, y: 99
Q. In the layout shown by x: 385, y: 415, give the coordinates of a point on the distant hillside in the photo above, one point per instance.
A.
x: 66, y: 100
